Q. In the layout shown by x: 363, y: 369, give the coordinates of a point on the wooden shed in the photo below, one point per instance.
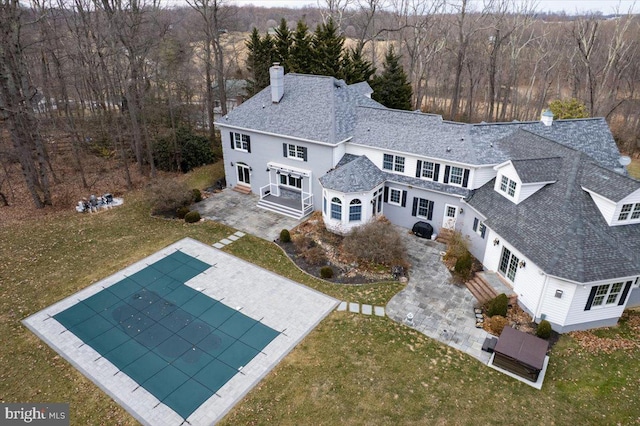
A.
x: 520, y: 353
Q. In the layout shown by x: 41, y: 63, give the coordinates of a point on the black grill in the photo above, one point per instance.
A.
x: 422, y: 229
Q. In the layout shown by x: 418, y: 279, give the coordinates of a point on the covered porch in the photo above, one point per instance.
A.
x: 289, y: 191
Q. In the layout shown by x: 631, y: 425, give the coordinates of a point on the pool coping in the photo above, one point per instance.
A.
x: 246, y: 285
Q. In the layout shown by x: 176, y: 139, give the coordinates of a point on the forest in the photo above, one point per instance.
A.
x: 138, y: 84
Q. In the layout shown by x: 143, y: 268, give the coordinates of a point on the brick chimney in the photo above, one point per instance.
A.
x: 276, y: 73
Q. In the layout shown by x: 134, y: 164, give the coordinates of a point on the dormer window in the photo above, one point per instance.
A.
x: 629, y: 212
x: 508, y: 186
x: 455, y: 178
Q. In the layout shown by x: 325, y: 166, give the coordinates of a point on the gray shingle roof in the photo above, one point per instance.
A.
x: 560, y: 228
x: 609, y: 184
x: 313, y: 107
x: 353, y: 175
x: 538, y: 170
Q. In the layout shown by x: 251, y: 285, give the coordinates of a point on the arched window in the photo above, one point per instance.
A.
x: 336, y: 208
x: 355, y: 210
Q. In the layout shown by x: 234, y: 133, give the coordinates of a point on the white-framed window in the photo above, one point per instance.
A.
x: 295, y: 152
x: 425, y: 208
x: 456, y: 175
x: 607, y: 294
x: 241, y: 142
x: 395, y: 196
x: 508, y: 186
x: 291, y: 181
x: 508, y: 264
x: 355, y: 210
x: 336, y: 208
x: 428, y: 169
x: 629, y: 212
x: 393, y: 162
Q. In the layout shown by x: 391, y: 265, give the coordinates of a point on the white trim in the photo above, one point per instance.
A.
x: 228, y: 126
x: 407, y: 185
x: 288, y: 169
x: 442, y: 161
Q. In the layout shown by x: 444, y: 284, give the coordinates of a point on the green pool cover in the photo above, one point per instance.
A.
x: 177, y: 343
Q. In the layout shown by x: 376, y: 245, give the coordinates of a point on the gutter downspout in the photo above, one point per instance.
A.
x: 538, y: 311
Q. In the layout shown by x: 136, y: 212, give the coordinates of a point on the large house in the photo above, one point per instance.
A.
x: 547, y: 204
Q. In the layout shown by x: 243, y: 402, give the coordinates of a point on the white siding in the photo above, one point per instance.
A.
x: 607, y: 207
x: 510, y: 172
x: 527, y: 190
x: 338, y: 153
x: 632, y: 198
x: 410, y: 162
x: 578, y: 315
x: 556, y: 309
x: 482, y: 175
x: 529, y: 282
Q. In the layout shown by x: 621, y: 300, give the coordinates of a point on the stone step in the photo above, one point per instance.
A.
x: 242, y: 189
x: 480, y: 290
x: 444, y: 236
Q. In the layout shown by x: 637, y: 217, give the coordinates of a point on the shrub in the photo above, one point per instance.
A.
x: 192, y: 217
x: 376, y: 242
x: 457, y: 246
x: 463, y: 265
x: 496, y: 324
x: 314, y: 256
x: 303, y: 243
x: 326, y: 272
x: 167, y: 195
x: 498, y: 305
x: 197, y: 195
x: 285, y: 236
x: 181, y: 212
x: 543, y: 330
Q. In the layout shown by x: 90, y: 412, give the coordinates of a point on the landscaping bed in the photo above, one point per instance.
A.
x: 313, y: 248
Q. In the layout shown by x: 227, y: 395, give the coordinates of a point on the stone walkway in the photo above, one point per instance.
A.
x: 439, y: 308
x: 366, y: 309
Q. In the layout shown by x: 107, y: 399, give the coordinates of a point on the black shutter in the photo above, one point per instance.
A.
x: 414, y: 210
x: 418, y: 169
x: 430, y: 207
x: 483, y: 232
x: 475, y: 224
x: 623, y: 298
x: 233, y: 146
x: 386, y: 194
x: 249, y: 144
x: 465, y: 178
x: 436, y: 172
x: 447, y: 169
x: 304, y: 153
x: 284, y: 150
x: 404, y: 199
x: 591, y: 296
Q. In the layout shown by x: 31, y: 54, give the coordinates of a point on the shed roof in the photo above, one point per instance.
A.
x: 526, y: 349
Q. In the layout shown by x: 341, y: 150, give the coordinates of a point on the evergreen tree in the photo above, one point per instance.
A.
x: 392, y: 88
x: 259, y: 59
x: 300, y: 55
x: 327, y: 50
x: 355, y: 68
x: 282, y: 44
x: 568, y: 108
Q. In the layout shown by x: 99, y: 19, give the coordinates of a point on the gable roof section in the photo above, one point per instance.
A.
x: 560, y: 227
x: 353, y: 175
x: 609, y: 184
x: 590, y: 136
x: 315, y: 108
x: 538, y: 170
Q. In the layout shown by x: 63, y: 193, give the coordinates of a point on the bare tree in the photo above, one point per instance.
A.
x: 16, y: 96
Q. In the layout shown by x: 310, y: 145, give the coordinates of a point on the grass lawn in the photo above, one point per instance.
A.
x: 352, y: 369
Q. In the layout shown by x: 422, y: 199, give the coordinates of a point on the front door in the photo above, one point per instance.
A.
x: 450, y: 215
x: 244, y: 174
